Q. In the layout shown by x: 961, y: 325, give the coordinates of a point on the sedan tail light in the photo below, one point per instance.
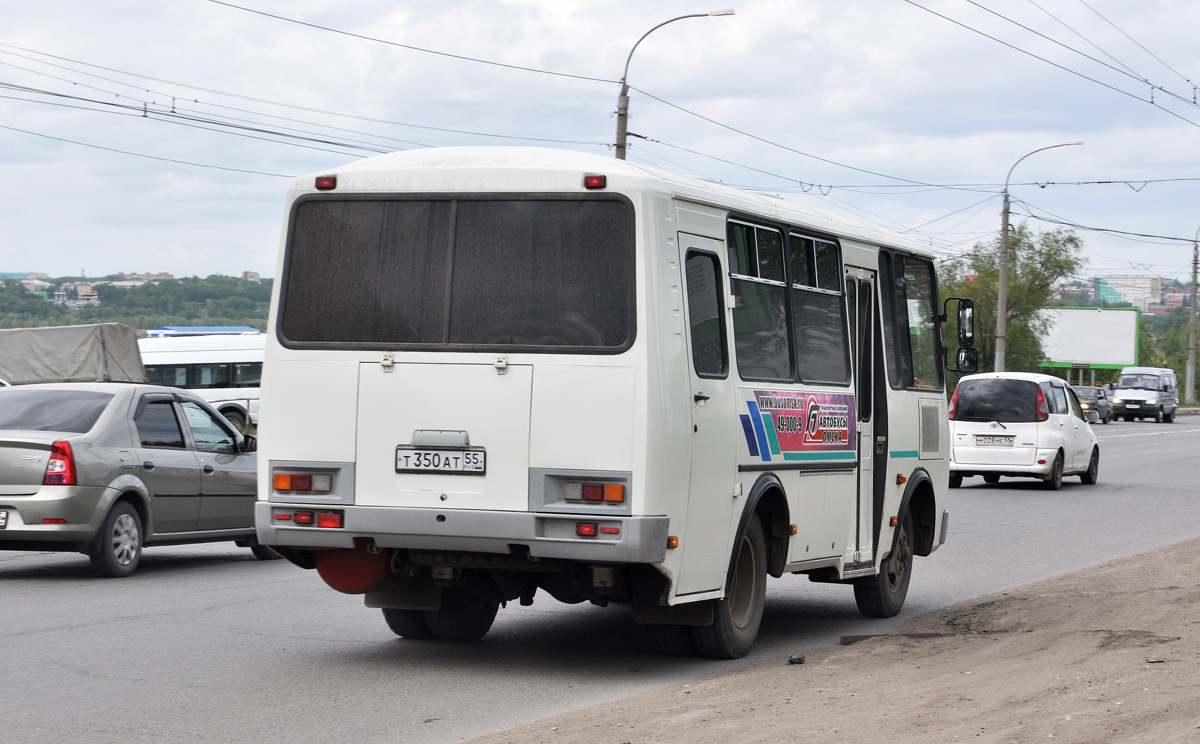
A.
x: 60, y: 470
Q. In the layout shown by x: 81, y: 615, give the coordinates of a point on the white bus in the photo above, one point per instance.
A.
x: 494, y: 371
x: 224, y: 369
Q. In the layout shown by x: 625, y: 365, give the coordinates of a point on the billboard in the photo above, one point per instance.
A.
x: 1101, y: 338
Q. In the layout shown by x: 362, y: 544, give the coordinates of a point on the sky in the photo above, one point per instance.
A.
x: 162, y: 135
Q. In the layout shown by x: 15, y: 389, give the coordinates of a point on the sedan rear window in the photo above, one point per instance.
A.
x: 1001, y: 400
x: 74, y: 411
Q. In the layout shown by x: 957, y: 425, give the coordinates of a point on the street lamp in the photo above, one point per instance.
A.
x: 623, y: 99
x: 1002, y: 290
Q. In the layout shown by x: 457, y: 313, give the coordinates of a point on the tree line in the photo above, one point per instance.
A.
x: 213, y: 300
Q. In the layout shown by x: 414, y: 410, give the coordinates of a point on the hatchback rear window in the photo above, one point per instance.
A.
x: 1007, y: 401
x: 74, y: 411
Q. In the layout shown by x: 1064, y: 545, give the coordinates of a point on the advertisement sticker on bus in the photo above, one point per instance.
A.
x: 800, y: 426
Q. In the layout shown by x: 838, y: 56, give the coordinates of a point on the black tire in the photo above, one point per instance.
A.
x: 119, y: 544
x: 237, y: 418
x: 1128, y: 418
x: 1092, y: 474
x: 1107, y: 419
x: 991, y: 479
x: 1158, y: 416
x: 1169, y: 417
x: 408, y: 623
x: 673, y: 640
x: 263, y: 553
x: 1054, y: 482
x: 956, y: 481
x: 737, y: 617
x: 463, y: 616
x: 883, y: 595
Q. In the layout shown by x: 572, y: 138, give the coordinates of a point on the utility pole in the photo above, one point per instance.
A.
x: 1002, y: 288
x: 1189, y: 396
x: 623, y: 98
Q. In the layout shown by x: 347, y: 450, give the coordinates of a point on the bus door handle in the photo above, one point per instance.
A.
x: 699, y: 397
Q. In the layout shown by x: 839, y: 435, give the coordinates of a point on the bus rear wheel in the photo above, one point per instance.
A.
x: 883, y: 595
x: 736, y: 618
x: 463, y: 616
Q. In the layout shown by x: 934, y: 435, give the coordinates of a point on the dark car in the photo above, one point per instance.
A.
x: 1095, y: 399
x: 107, y: 468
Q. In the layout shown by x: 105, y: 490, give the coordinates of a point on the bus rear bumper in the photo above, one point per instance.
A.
x: 616, y: 539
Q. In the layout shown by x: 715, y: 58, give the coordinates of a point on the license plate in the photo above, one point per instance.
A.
x: 450, y: 461
x: 992, y: 441
x: 3, y: 519
x: 1132, y: 405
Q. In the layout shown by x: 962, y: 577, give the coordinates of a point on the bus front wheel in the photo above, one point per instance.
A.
x: 883, y: 595
x: 736, y: 618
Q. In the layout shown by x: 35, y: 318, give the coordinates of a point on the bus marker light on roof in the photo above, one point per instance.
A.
x: 326, y: 183
x: 595, y: 182
x: 585, y: 529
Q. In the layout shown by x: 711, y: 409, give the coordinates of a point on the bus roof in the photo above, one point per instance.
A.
x: 533, y: 169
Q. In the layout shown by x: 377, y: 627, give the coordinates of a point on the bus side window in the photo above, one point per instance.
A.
x: 706, y: 321
x: 760, y: 303
x: 818, y: 311
x: 909, y: 298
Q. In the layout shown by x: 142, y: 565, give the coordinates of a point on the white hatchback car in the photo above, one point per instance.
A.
x: 1017, y: 424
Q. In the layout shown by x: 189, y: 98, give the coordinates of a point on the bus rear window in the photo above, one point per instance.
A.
x: 460, y: 274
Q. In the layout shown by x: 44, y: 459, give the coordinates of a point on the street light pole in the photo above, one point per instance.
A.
x: 623, y: 98
x: 1189, y: 397
x: 1002, y: 289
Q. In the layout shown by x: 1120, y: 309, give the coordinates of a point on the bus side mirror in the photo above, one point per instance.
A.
x: 967, y: 360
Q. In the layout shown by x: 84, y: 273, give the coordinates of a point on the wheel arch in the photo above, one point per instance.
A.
x: 921, y: 498
x: 768, y: 498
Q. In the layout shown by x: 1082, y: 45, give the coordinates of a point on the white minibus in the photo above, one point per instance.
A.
x: 493, y: 372
x: 224, y: 369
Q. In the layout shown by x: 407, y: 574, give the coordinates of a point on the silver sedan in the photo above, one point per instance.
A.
x: 108, y: 468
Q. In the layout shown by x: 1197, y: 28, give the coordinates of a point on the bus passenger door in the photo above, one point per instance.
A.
x: 860, y: 307
x: 706, y: 542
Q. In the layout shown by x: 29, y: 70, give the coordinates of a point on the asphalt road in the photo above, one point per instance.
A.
x: 207, y: 644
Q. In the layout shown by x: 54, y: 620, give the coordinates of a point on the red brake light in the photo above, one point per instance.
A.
x: 593, y: 491
x: 586, y: 529
x: 329, y: 519
x: 302, y: 517
x: 60, y: 470
x: 1043, y: 409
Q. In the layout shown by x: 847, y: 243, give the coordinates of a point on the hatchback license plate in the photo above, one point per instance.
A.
x: 3, y: 519
x: 451, y: 461
x: 993, y: 441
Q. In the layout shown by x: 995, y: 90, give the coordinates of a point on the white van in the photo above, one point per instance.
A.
x: 224, y: 369
x: 1146, y: 392
x: 1017, y: 424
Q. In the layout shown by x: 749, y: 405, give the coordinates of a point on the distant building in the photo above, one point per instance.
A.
x: 1139, y: 290
x: 252, y: 276
x: 147, y: 277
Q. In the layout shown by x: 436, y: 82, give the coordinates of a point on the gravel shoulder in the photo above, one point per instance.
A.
x: 1110, y: 653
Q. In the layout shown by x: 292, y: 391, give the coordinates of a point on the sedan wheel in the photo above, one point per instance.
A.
x: 120, y: 543
x: 1092, y: 474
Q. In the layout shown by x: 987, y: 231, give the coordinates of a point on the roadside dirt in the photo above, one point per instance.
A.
x: 1107, y: 654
